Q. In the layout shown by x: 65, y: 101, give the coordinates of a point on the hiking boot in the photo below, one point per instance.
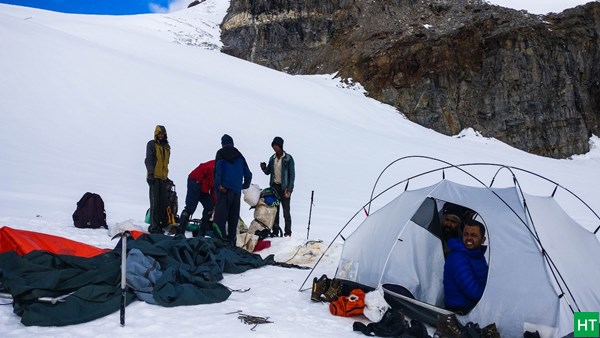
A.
x: 319, y: 287
x: 448, y: 327
x: 276, y: 232
x: 490, y: 331
x: 333, y: 292
x: 287, y: 234
x: 183, y: 222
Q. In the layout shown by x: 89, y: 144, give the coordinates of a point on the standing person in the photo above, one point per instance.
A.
x: 200, y: 188
x: 158, y: 152
x: 465, y: 270
x: 282, y: 171
x: 231, y: 176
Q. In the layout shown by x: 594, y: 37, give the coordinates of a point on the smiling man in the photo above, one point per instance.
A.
x: 465, y: 270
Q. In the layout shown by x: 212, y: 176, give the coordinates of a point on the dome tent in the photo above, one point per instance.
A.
x: 543, y: 265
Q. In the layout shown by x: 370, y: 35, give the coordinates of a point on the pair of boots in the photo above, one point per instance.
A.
x: 184, y: 220
x: 325, y: 289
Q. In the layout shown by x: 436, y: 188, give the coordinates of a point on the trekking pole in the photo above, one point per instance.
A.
x: 312, y: 194
x: 123, y: 275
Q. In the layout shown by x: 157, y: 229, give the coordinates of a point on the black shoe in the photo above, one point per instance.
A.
x: 184, y: 220
x: 276, y: 231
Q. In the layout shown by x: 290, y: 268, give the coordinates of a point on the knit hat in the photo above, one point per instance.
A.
x: 226, y: 140
x: 278, y: 141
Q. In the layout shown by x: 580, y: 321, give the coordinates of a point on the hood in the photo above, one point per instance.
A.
x: 228, y: 153
x: 158, y: 130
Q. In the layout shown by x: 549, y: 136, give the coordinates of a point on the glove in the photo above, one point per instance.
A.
x: 263, y: 165
x: 150, y: 179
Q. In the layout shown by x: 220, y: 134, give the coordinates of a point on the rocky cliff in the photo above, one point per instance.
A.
x: 531, y: 81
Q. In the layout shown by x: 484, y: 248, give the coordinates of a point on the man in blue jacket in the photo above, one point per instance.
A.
x: 231, y: 176
x: 465, y: 270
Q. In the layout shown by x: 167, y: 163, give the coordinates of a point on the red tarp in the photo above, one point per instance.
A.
x: 23, y: 242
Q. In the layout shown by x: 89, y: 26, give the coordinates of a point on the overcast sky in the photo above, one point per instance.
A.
x: 122, y: 7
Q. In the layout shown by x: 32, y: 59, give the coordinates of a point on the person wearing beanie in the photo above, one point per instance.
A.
x: 452, y: 221
x: 158, y: 152
x: 231, y: 176
x: 226, y: 140
x: 283, y: 173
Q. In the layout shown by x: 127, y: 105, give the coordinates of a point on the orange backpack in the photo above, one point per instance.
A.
x: 349, y: 306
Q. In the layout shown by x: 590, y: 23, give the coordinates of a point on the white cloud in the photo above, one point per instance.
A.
x: 174, y: 6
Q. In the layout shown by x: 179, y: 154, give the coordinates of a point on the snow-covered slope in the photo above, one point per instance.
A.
x: 79, y: 99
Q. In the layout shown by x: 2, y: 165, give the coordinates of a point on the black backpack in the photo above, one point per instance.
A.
x: 90, y: 212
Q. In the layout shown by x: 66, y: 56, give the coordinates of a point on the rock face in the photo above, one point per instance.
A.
x: 531, y: 81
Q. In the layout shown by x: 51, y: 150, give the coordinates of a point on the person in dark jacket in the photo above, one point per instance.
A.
x: 283, y: 173
x: 451, y: 224
x: 465, y: 270
x: 200, y: 188
x: 231, y: 176
x: 158, y: 152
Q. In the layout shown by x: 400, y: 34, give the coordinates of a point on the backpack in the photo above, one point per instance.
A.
x: 172, y: 204
x: 90, y: 212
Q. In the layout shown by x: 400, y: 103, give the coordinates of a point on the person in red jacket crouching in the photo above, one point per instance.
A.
x: 200, y: 188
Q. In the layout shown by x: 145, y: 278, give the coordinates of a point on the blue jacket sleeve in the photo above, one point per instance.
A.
x: 292, y: 174
x: 269, y: 166
x: 247, y: 176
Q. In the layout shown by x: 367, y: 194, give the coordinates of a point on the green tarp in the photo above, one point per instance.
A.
x: 191, y: 271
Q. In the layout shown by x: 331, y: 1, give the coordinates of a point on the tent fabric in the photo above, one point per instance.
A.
x: 521, y: 292
x: 191, y: 269
x: 23, y: 242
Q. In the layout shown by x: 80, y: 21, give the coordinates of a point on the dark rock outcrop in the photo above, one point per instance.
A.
x: 531, y: 81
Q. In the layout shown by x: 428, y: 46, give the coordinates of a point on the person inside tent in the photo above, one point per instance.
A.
x: 465, y: 270
x: 451, y: 224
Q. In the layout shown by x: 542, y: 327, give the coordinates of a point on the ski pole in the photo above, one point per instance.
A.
x: 123, y: 275
x: 312, y: 194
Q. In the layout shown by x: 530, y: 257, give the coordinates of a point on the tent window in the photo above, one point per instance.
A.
x: 427, y: 217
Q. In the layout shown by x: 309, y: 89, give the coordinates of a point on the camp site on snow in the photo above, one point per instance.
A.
x: 390, y: 273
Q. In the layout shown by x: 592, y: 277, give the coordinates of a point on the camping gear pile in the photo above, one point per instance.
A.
x: 55, y: 282
x: 265, y: 203
x: 540, y: 262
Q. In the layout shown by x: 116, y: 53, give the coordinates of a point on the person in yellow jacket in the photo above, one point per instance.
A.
x: 158, y: 152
